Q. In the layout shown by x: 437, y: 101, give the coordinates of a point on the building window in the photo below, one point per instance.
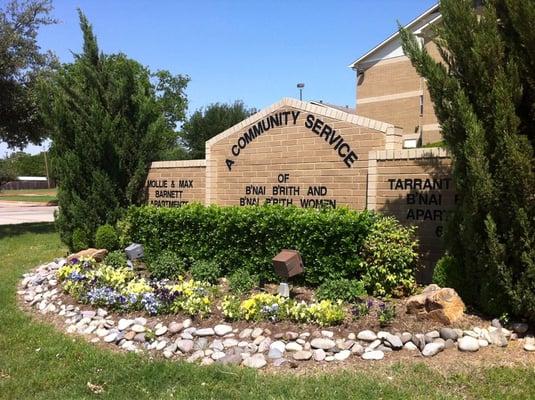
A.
x: 421, y: 105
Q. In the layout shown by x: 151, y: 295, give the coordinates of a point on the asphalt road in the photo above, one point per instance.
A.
x: 19, y: 213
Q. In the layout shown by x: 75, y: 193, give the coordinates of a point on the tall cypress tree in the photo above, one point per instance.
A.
x: 107, y: 123
x: 484, y: 96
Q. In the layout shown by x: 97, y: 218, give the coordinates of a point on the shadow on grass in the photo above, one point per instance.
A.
x: 21, y: 229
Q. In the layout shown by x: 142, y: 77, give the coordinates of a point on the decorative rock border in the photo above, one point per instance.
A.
x: 251, y: 347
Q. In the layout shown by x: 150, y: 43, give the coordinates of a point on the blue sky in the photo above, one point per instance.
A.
x: 255, y: 51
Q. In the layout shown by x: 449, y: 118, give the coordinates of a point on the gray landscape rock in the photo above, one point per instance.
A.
x: 217, y: 355
x: 373, y: 355
x: 357, y: 349
x: 483, y: 343
x: 255, y: 361
x: 394, y: 341
x: 124, y: 324
x: 201, y: 343
x: 497, y: 338
x: 175, y: 327
x: 291, y: 335
x: 195, y: 356
x: 432, y: 349
x: 256, y: 332
x: 468, y: 343
x: 293, y: 346
x: 263, y: 346
x: 406, y: 337
x: 140, y: 338
x: 373, y: 345
x: 318, y: 354
x: 230, y: 342
x: 322, y: 343
x: 302, y: 355
x: 185, y: 345
x: 230, y: 359
x: 519, y: 327
x: 419, y: 341
x: 343, y: 355
x: 217, y: 345
x: 138, y: 328
x: 279, y: 362
x: 410, y: 346
x: 367, y: 336
x: 529, y: 344
x: 186, y: 323
x: 496, y: 323
x: 161, y: 331
x: 448, y: 333
x: 112, y: 337
x: 245, y: 334
x: 204, y: 332
x: 222, y: 330
x: 275, y: 353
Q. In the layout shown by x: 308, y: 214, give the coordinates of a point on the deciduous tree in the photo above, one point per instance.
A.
x: 204, y: 124
x: 22, y: 62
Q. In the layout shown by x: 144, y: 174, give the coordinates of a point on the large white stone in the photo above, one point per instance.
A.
x: 373, y: 355
x: 322, y: 343
x: 367, y: 336
x: 468, y: 343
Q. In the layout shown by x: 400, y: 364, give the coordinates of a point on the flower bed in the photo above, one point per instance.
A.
x: 258, y: 342
x: 120, y: 289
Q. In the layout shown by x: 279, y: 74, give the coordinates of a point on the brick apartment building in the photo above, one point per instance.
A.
x: 389, y: 89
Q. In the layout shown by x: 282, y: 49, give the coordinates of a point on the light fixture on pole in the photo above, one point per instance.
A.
x: 300, y: 86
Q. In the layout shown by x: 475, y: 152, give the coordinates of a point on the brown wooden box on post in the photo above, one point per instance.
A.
x: 288, y: 263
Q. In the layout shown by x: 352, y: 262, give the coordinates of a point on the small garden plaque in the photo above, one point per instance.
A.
x: 288, y: 263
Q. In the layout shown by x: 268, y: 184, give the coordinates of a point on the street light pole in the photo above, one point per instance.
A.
x: 300, y: 86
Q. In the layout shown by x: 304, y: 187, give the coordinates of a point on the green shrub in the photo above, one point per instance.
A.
x: 390, y: 258
x: 116, y: 259
x: 328, y: 240
x: 106, y: 238
x: 242, y: 281
x: 206, y: 271
x: 447, y: 273
x: 167, y: 264
x: 79, y: 240
x: 347, y: 290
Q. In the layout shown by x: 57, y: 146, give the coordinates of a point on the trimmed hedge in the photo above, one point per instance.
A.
x: 330, y: 240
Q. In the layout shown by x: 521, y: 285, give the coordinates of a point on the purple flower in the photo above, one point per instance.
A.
x: 103, y: 296
x: 74, y: 261
x: 76, y: 276
x: 370, y: 303
x: 150, y: 303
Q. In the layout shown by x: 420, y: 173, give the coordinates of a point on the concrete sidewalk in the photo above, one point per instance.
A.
x: 15, y: 212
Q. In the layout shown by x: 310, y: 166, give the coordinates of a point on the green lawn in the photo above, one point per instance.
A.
x: 33, y: 195
x: 37, y: 362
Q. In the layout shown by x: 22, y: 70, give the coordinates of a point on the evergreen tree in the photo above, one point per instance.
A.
x: 108, y: 122
x: 204, y: 124
x: 484, y: 97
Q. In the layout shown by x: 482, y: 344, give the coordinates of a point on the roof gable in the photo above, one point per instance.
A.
x: 391, y: 46
x: 316, y: 108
